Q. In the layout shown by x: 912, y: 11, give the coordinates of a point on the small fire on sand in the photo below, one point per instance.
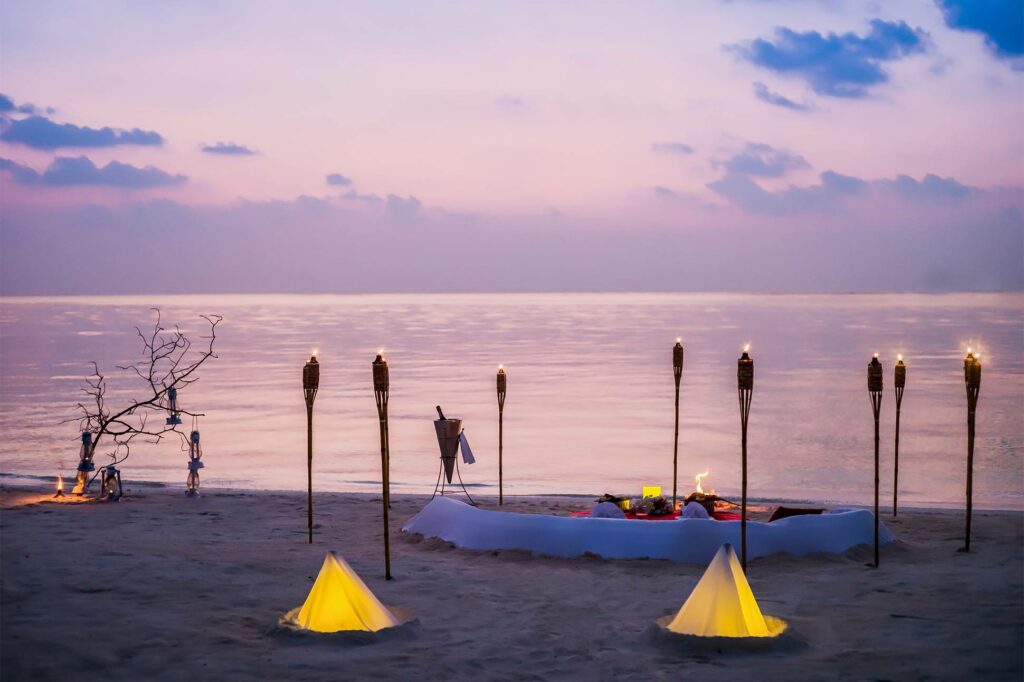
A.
x: 60, y: 486
x: 700, y: 477
x: 707, y: 498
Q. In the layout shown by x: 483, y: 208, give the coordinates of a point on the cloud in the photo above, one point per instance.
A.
x: 228, y: 149
x: 1001, y: 22
x: 929, y: 187
x: 762, y: 92
x: 828, y: 195
x: 507, y: 104
x: 403, y: 208
x: 7, y: 106
x: 671, y: 148
x: 837, y: 65
x: 353, y: 195
x: 263, y: 247
x: 40, y: 132
x: 68, y: 171
x: 762, y: 160
x: 338, y: 180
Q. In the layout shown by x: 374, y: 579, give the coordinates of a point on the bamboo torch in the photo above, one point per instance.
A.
x: 502, y: 384
x: 745, y: 385
x: 677, y: 371
x: 899, y: 380
x: 875, y: 392
x: 310, y: 384
x: 972, y: 379
x: 381, y: 386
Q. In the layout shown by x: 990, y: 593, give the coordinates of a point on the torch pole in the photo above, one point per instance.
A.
x: 745, y: 383
x: 309, y: 469
x: 381, y: 387
x: 972, y: 380
x: 900, y: 382
x: 875, y: 392
x: 502, y: 385
x: 677, y: 372
x: 310, y: 384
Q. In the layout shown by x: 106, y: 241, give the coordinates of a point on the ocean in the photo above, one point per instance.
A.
x: 590, y: 396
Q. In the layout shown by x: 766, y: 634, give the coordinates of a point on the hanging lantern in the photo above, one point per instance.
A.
x: 85, y: 464
x: 110, y: 484
x: 172, y: 407
x: 195, y: 454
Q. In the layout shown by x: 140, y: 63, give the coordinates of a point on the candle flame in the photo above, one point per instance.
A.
x: 875, y: 356
x: 316, y: 352
x: 746, y: 347
x: 899, y: 357
x: 699, y: 478
x: 60, y: 483
x: 501, y: 366
x: 969, y: 350
x: 679, y: 339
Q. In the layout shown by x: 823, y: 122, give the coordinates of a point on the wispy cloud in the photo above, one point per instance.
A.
x: 837, y: 65
x: 338, y: 180
x: 228, y: 149
x: 671, y: 148
x: 762, y: 160
x: 833, y: 188
x: 8, y: 106
x: 40, y: 132
x: 763, y: 93
x: 70, y: 171
x: 509, y: 104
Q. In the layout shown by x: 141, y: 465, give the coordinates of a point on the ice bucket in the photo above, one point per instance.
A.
x: 448, y: 431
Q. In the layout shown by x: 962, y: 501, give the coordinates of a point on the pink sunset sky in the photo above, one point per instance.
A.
x: 657, y: 146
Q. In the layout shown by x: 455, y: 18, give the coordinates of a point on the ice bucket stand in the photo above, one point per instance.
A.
x: 448, y: 431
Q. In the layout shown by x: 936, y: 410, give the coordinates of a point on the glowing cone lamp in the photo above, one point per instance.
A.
x: 340, y: 601
x: 722, y: 604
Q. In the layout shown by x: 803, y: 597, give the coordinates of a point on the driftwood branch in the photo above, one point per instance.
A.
x: 167, y: 361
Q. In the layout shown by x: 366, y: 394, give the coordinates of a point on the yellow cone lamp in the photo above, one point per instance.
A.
x: 723, y: 605
x: 340, y: 601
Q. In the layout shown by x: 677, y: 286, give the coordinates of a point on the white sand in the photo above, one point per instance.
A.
x: 163, y: 586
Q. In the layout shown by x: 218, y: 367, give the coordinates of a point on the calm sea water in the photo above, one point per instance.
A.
x: 590, y: 397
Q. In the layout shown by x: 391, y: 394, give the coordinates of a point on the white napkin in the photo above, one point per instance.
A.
x: 467, y: 453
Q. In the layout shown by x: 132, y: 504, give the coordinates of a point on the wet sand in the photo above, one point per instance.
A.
x: 172, y: 588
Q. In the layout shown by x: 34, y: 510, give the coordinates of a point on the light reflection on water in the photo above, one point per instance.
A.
x: 589, y: 405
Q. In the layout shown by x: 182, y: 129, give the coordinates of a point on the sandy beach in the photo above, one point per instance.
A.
x: 160, y: 585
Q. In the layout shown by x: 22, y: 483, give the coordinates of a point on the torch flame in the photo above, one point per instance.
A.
x: 699, y: 478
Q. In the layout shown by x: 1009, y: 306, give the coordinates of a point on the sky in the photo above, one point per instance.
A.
x: 327, y: 147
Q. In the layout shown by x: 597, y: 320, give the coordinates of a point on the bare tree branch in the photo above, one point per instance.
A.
x: 167, y: 362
